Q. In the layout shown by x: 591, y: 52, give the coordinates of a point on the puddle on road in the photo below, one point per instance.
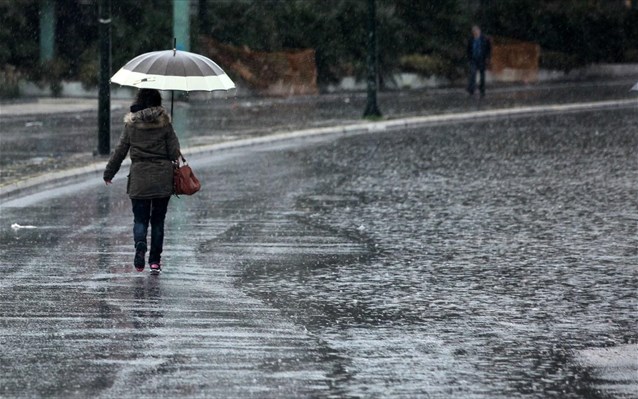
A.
x: 482, y: 261
x: 493, y: 260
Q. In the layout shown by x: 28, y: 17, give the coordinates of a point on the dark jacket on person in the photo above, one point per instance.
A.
x: 484, y: 50
x: 152, y: 142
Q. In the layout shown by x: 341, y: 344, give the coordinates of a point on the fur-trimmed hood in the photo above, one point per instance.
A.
x: 148, y: 137
x: 148, y: 118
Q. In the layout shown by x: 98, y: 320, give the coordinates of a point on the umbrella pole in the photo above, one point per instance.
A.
x: 173, y: 91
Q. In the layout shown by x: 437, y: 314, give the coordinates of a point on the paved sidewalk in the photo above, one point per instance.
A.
x: 48, y: 139
x: 49, y: 106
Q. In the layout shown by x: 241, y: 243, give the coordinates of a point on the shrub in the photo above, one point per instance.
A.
x: 428, y: 65
x: 52, y: 73
x: 555, y: 60
x: 631, y: 55
x: 9, y: 82
x: 592, y: 31
x: 89, y: 70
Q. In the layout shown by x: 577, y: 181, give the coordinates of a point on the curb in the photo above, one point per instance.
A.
x: 53, y: 106
x: 50, y: 180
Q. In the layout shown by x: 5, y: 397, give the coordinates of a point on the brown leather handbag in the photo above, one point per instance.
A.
x: 184, y: 180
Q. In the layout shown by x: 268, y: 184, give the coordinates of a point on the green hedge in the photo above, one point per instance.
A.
x: 426, y: 36
x: 558, y: 61
x: 584, y: 31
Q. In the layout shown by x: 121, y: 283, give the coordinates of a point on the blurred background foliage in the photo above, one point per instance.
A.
x: 570, y: 32
x: 414, y: 35
x: 336, y: 29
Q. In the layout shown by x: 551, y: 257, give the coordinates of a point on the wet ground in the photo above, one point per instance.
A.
x: 479, y: 260
x: 32, y: 144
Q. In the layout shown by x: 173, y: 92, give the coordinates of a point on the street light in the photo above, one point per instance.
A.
x: 104, y: 90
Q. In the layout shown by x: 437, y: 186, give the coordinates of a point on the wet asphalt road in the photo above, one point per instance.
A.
x: 474, y: 260
x: 31, y: 144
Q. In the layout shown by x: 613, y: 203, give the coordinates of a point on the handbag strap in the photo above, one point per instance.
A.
x: 180, y: 157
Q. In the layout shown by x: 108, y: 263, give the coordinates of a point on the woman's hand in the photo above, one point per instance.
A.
x: 107, y: 182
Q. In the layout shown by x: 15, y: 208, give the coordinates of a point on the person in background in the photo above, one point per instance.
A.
x: 149, y: 136
x: 479, y: 52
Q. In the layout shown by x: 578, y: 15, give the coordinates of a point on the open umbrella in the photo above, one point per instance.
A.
x: 173, y: 70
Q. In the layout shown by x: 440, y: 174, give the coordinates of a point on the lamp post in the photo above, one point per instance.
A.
x: 104, y: 89
x: 372, y: 110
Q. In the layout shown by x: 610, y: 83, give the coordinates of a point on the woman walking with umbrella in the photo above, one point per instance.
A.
x: 153, y: 145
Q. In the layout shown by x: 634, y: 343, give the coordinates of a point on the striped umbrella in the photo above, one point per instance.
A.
x: 173, y: 70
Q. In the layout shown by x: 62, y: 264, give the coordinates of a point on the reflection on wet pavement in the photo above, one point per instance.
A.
x: 34, y: 144
x: 486, y: 260
x: 77, y: 320
x: 488, y: 255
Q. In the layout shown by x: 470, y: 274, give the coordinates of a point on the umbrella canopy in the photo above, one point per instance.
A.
x: 173, y: 70
x: 635, y: 87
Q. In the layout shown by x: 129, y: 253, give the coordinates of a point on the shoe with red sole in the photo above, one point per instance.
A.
x: 155, y: 268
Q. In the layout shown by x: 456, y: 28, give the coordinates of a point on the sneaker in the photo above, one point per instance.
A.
x: 155, y: 268
x: 138, y: 261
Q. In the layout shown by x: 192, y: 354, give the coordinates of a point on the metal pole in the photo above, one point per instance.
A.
x: 104, y: 91
x: 173, y: 91
x: 181, y: 24
x: 372, y: 110
x: 47, y: 30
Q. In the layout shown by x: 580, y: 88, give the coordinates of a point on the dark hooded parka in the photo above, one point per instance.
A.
x: 153, y: 145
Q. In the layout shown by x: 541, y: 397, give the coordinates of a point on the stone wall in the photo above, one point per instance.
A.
x: 514, y: 61
x: 281, y: 73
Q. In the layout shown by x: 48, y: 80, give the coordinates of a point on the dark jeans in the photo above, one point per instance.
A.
x: 471, y: 83
x: 153, y: 211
